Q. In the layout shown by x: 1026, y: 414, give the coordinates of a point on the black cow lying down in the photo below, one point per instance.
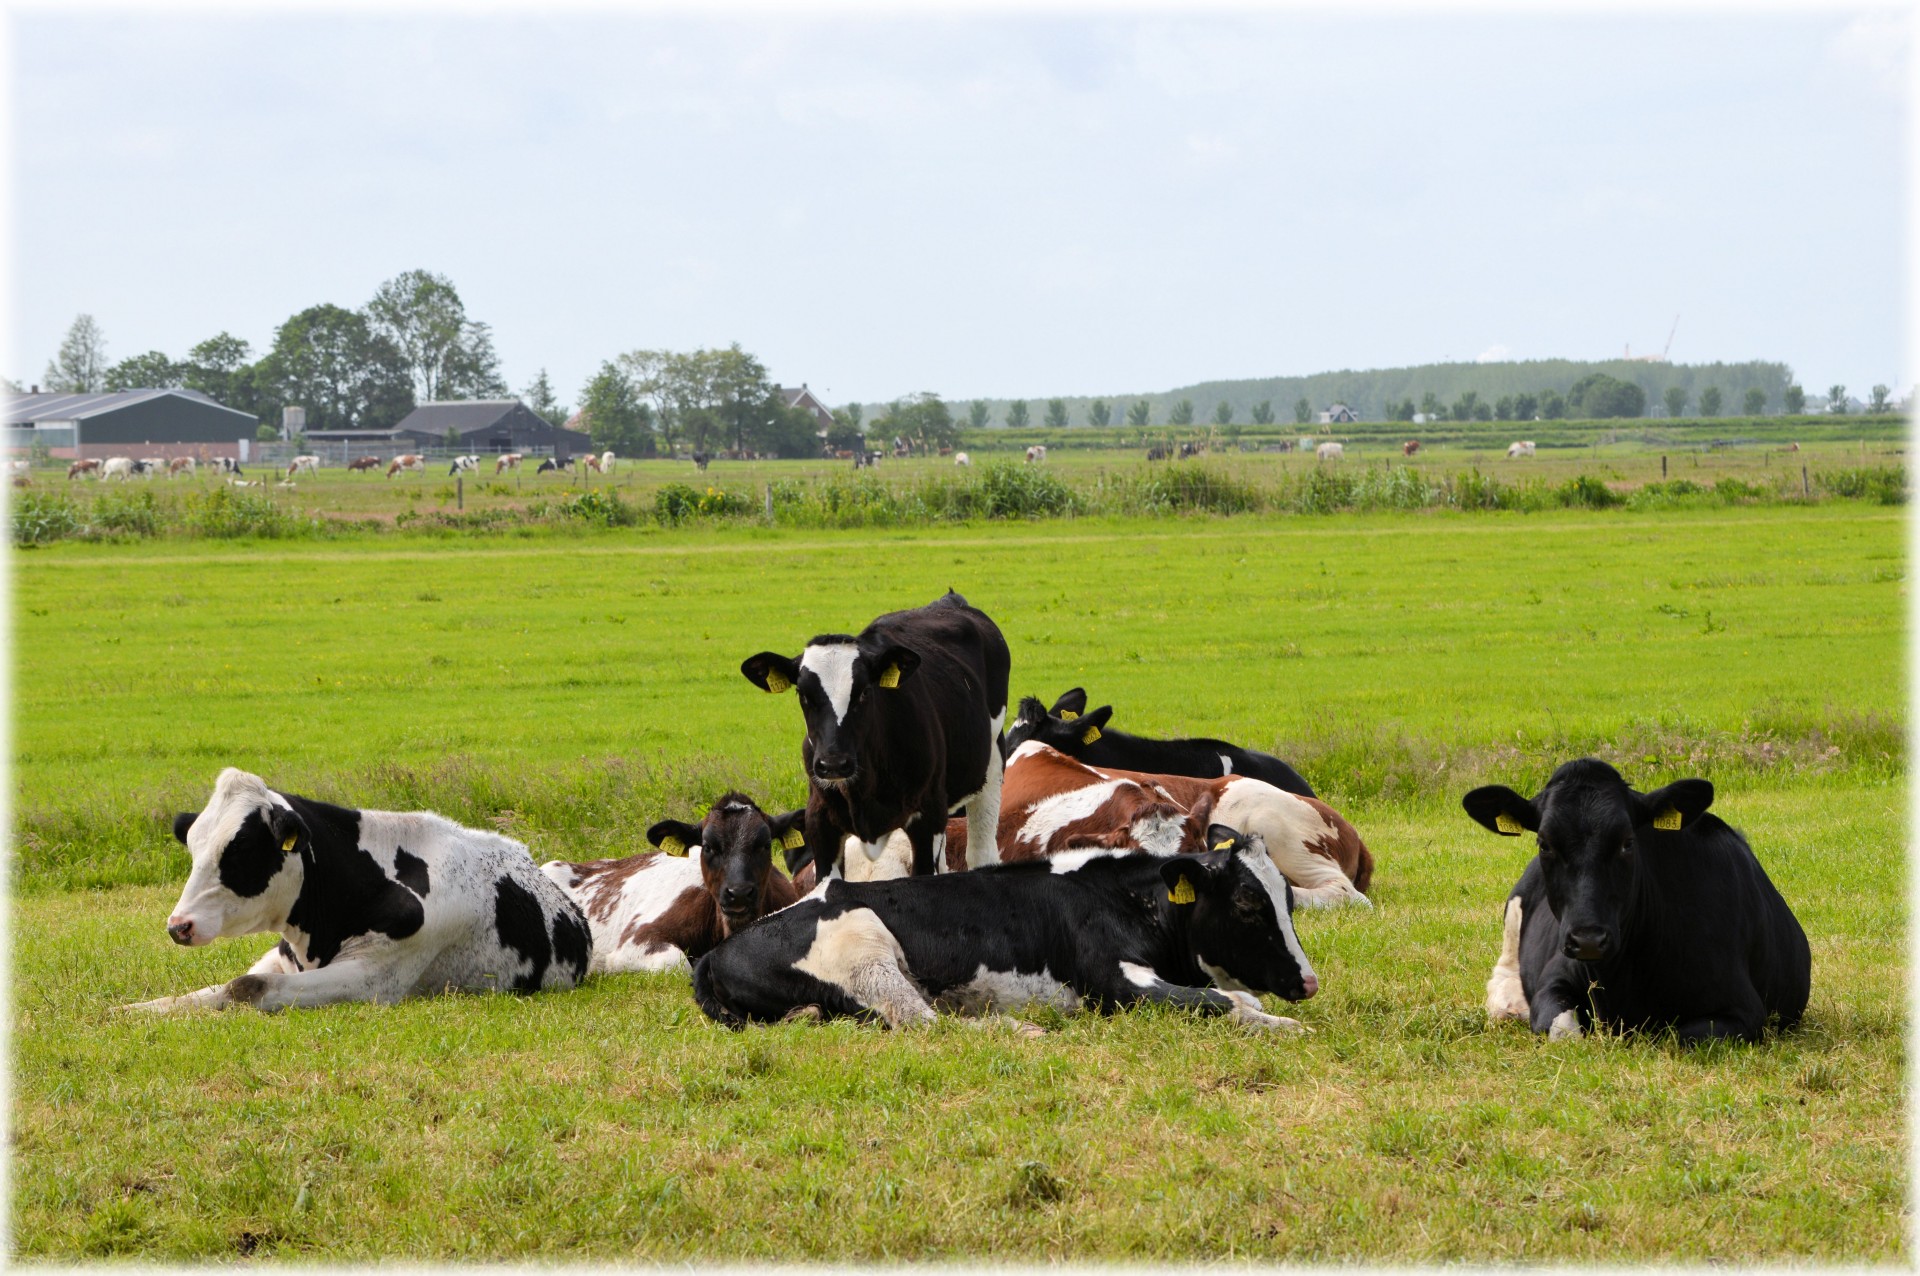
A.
x: 1641, y: 911
x: 1096, y: 928
x: 1079, y: 733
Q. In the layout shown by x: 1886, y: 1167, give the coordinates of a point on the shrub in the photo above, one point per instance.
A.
x: 1588, y: 491
x: 226, y: 512
x: 1884, y: 484
x: 40, y: 518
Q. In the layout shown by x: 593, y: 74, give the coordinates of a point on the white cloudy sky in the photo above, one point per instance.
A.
x: 978, y: 204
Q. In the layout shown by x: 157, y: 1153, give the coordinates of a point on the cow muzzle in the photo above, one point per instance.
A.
x: 1588, y: 943
x: 181, y: 931
x: 833, y: 768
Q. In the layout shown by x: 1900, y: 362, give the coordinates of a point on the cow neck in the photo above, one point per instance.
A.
x: 330, y: 889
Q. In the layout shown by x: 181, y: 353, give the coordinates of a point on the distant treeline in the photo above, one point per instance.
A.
x: 1374, y: 395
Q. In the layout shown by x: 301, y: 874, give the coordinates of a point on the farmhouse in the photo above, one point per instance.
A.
x: 1339, y: 413
x: 150, y: 422
x: 484, y: 425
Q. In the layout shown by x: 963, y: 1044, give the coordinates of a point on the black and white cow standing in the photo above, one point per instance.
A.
x: 903, y: 725
x: 369, y: 905
x: 1100, y: 929
x: 1641, y: 911
x: 1078, y: 733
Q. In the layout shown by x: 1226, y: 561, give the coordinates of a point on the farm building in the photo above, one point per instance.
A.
x: 483, y: 425
x: 125, y: 422
x: 1338, y: 414
x: 806, y: 399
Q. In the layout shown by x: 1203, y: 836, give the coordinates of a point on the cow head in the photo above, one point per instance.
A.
x: 736, y: 841
x: 838, y: 677
x: 1064, y: 727
x: 247, y: 867
x: 1591, y: 830
x: 1239, y: 915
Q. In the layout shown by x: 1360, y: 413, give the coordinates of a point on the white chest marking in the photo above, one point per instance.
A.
x: 832, y: 664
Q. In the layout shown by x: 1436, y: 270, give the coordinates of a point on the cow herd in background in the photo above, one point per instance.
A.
x: 950, y: 859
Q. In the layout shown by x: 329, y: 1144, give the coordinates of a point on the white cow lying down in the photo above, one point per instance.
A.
x: 369, y: 905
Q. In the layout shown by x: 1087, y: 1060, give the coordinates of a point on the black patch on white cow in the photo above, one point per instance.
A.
x: 346, y: 893
x: 411, y: 871
x: 572, y: 940
x: 251, y: 859
x: 522, y: 926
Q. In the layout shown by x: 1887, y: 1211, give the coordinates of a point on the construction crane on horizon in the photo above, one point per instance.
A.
x: 1630, y: 357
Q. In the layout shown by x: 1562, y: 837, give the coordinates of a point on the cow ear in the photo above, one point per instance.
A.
x: 673, y: 836
x: 770, y: 671
x: 1071, y: 705
x: 1222, y: 838
x: 286, y: 827
x: 1502, y: 810
x: 182, y: 823
x: 1186, y: 875
x: 894, y: 666
x: 1087, y: 729
x: 1675, y: 806
x: 790, y: 838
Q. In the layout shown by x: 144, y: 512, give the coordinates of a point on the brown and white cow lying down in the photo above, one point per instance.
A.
x: 1051, y: 803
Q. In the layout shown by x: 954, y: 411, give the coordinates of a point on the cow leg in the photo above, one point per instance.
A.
x: 983, y: 809
x: 386, y: 982
x: 927, y: 835
x: 824, y: 837
x: 1506, y: 999
x: 1731, y: 1023
x: 1553, y: 1009
x: 1138, y: 983
x: 856, y: 954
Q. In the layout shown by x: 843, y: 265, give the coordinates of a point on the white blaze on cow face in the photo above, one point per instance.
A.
x: 1259, y: 863
x: 242, y: 881
x: 832, y: 664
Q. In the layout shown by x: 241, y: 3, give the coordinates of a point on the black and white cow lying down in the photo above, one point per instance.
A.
x: 1078, y: 732
x: 370, y: 905
x: 1101, y: 929
x: 1640, y: 912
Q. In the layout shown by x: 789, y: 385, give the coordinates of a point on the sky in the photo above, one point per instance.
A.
x: 978, y: 204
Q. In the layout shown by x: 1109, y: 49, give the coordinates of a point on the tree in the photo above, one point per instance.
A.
x: 1837, y: 400
x: 1056, y: 414
x: 1598, y: 397
x: 81, y: 365
x: 330, y: 361
x: 1710, y: 401
x: 1525, y: 407
x: 616, y: 418
x: 1303, y: 410
x: 1223, y: 413
x: 1099, y: 413
x: 1756, y: 401
x: 1182, y: 413
x: 446, y: 356
x: 922, y: 418
x: 1553, y: 406
x: 977, y: 413
x: 539, y: 397
x: 1676, y: 398
x: 1401, y: 411
x: 1017, y: 415
x: 451, y: 438
x: 1483, y: 411
x: 1503, y: 408
x: 214, y: 367
x: 1464, y: 406
x: 1139, y: 412
x: 1879, y: 401
x: 844, y: 433
x: 1794, y: 399
x: 149, y: 371
x: 1430, y: 406
x: 1263, y: 412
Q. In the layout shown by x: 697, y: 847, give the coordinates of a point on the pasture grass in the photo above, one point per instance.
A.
x: 573, y: 691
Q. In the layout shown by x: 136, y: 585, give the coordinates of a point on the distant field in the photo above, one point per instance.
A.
x: 570, y: 690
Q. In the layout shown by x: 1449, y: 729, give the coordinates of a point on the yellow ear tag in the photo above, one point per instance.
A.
x: 889, y: 677
x: 673, y: 845
x: 777, y: 681
x: 1668, y: 819
x: 1182, y: 891
x: 794, y: 840
x: 1068, y: 715
x: 1507, y: 824
x: 1090, y: 735
x: 1224, y: 846
x: 294, y: 837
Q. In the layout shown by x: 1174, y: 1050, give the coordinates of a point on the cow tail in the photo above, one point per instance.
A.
x: 708, y: 1000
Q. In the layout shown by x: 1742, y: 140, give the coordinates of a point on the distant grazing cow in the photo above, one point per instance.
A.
x: 407, y: 461
x: 1330, y: 451
x: 1098, y: 930
x: 659, y: 910
x: 1793, y: 447
x: 240, y: 482
x: 945, y: 450
x: 866, y: 459
x: 1089, y: 739
x: 902, y: 725
x: 463, y: 465
x: 363, y: 463
x: 182, y: 465
x: 1188, y: 450
x: 1640, y: 912
x: 549, y: 466
x: 961, y: 458
x: 1038, y: 452
x: 148, y: 466
x: 1409, y: 447
x: 1159, y: 452
x: 606, y: 462
x: 1516, y: 450
x: 303, y: 465
x: 120, y: 467
x: 226, y: 465
x: 506, y: 461
x: 1052, y: 803
x: 591, y: 461
x: 701, y: 460
x: 16, y: 469
x: 84, y: 469
x: 370, y: 905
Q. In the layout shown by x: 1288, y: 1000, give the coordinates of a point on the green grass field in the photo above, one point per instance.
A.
x: 571, y: 690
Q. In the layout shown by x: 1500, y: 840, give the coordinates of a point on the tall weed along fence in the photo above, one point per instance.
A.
x: 1000, y: 490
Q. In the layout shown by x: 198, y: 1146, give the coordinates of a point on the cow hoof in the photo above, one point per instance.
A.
x: 802, y: 1014
x: 1565, y: 1027
x: 158, y: 1006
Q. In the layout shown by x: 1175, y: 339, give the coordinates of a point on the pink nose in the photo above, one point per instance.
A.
x: 1312, y: 985
x: 180, y: 929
